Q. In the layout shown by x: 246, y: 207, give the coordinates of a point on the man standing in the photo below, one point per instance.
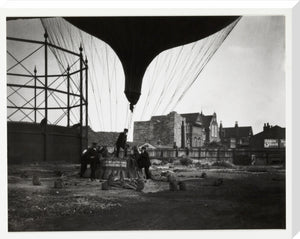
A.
x: 103, y: 152
x: 121, y: 142
x: 145, y: 162
x: 90, y: 156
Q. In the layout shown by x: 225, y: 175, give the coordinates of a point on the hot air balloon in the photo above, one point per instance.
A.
x: 164, y: 55
x: 138, y: 40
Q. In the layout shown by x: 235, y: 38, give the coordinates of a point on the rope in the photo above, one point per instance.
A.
x: 224, y: 35
x: 109, y: 87
x: 168, y: 79
x: 180, y: 84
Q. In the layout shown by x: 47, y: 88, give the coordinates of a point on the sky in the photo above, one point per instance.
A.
x: 244, y: 80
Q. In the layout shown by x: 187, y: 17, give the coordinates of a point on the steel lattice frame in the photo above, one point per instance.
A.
x: 46, y: 80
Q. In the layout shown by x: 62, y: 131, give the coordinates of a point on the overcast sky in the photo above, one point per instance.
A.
x: 244, y: 81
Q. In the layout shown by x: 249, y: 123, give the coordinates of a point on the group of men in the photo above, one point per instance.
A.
x: 143, y: 162
x: 92, y: 156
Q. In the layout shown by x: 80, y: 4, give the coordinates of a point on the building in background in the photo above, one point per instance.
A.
x: 178, y: 130
x: 167, y: 130
x: 237, y: 136
x: 270, y: 137
x: 201, y: 129
x: 102, y: 138
x: 194, y: 130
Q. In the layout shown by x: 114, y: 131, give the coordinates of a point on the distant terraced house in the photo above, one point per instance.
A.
x: 237, y: 136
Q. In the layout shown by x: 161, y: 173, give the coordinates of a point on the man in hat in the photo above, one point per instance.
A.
x: 144, y: 162
x: 103, y: 151
x: 91, y: 157
x: 121, y: 142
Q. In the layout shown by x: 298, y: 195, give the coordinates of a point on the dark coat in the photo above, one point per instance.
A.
x: 136, y: 155
x: 90, y: 155
x: 136, y: 158
x: 121, y: 141
x: 103, y: 152
x: 144, y: 160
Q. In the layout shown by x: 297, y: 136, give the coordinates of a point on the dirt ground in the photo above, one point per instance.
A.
x: 250, y: 197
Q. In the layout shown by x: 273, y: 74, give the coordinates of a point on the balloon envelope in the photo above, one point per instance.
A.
x: 138, y: 40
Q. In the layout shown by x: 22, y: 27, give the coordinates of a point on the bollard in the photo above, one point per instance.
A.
x: 110, y: 179
x: 36, y: 180
x: 105, y: 185
x: 58, y: 183
x: 182, y: 186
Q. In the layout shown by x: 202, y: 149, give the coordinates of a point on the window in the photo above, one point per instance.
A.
x: 214, y: 131
x: 195, y: 142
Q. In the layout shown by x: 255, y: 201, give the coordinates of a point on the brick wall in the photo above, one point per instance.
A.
x: 162, y: 130
x: 177, y: 128
x: 199, y: 133
x: 165, y: 128
x: 142, y: 131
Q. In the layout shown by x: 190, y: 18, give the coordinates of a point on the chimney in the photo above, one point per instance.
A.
x: 236, y: 124
x: 236, y: 132
x: 221, y: 130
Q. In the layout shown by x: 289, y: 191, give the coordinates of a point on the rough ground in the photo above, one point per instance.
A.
x: 249, y: 198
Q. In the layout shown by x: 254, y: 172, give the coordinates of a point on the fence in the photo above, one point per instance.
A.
x: 236, y: 156
x: 26, y: 143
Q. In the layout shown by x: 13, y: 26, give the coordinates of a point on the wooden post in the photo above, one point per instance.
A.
x: 199, y: 152
x: 233, y: 156
x: 46, y: 98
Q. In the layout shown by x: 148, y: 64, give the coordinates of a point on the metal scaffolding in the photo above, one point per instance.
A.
x: 65, y: 100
